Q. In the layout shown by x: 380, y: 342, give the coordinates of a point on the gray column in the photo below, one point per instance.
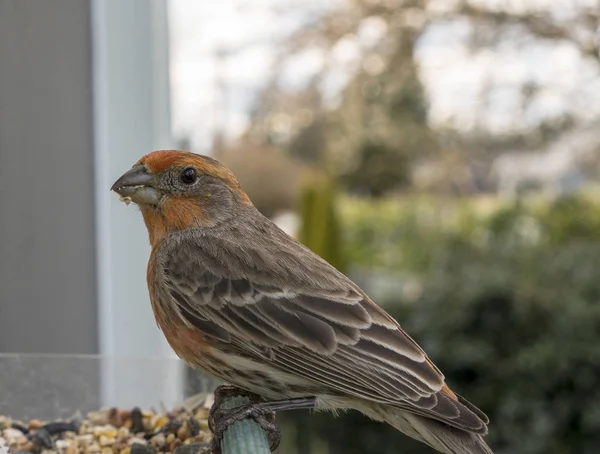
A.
x: 47, y: 233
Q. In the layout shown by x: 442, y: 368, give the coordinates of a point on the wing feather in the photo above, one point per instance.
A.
x: 307, y: 319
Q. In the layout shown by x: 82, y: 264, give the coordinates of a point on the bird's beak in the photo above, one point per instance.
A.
x: 136, y: 185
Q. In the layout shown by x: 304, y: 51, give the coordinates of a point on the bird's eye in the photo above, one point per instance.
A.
x: 188, y: 176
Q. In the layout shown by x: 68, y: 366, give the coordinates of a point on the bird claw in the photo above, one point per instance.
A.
x: 222, y: 393
x: 219, y: 420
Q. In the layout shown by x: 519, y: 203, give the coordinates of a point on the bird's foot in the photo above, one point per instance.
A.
x: 219, y: 419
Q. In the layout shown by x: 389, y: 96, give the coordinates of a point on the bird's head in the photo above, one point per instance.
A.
x: 176, y: 190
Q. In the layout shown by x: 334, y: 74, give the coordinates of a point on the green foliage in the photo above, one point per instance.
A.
x: 412, y: 234
x: 569, y: 218
x: 517, y: 333
x: 508, y: 309
x: 320, y: 230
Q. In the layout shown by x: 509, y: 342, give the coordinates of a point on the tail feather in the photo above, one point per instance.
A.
x: 441, y: 437
x: 473, y: 408
x: 444, y: 438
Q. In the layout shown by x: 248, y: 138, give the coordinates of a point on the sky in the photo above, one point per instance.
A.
x: 455, y: 77
x: 248, y: 31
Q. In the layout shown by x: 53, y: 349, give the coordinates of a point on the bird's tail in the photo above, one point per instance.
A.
x: 442, y: 437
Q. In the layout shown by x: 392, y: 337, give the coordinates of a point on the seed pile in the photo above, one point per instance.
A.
x: 111, y: 431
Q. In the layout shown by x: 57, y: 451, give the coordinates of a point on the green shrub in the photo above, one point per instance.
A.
x: 320, y: 229
x: 517, y: 333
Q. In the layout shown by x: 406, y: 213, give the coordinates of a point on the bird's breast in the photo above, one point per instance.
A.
x: 189, y: 343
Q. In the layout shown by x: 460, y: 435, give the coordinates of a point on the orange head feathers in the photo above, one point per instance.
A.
x: 163, y: 160
x: 176, y: 190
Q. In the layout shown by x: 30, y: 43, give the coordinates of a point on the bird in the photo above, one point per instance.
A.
x: 241, y: 300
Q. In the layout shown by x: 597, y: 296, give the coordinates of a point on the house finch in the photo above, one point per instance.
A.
x: 239, y: 299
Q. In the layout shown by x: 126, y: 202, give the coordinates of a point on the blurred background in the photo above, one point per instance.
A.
x: 445, y: 154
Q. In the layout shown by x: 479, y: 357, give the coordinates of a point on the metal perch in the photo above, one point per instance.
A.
x: 243, y: 437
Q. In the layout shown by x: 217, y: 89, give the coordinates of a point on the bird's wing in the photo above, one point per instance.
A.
x: 307, y: 319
